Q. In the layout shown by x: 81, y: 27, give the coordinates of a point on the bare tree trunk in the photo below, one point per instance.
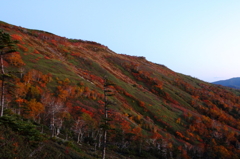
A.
x: 36, y: 150
x: 58, y: 131
x: 66, y: 136
x: 18, y: 109
x: 53, y: 124
x: 2, y: 66
x: 2, y: 89
x: 2, y: 96
x: 99, y: 139
x: 53, y: 131
x: 104, y: 144
x: 78, y: 139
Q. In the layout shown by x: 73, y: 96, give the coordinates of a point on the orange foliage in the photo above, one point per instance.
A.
x: 21, y: 90
x: 63, y: 94
x: 15, y: 60
x: 34, y: 107
x: 179, y: 134
x: 142, y: 104
x: 16, y: 37
x: 19, y: 100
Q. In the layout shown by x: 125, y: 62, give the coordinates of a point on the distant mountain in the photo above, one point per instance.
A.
x: 233, y: 82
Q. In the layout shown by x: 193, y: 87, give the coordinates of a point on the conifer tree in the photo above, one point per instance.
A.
x: 6, y: 47
x: 107, y: 92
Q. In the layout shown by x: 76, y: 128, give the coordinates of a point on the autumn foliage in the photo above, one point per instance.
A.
x: 58, y: 83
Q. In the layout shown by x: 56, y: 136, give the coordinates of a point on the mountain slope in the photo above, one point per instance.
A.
x: 233, y: 82
x: 59, y: 82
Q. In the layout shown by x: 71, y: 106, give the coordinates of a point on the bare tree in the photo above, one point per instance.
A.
x: 78, y: 129
x: 56, y: 122
x: 54, y: 108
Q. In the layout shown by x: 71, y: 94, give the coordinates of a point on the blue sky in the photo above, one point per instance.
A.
x: 200, y: 38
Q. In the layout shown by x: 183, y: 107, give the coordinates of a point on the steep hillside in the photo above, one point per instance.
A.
x: 233, y: 82
x: 57, y: 83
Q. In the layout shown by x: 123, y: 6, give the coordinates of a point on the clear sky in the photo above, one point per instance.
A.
x: 200, y: 38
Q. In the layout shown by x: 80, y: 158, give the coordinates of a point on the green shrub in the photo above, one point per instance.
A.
x: 24, y: 128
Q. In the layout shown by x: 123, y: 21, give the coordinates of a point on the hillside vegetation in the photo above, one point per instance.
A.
x: 54, y: 104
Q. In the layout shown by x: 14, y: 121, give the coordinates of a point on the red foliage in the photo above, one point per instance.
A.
x: 54, y: 42
x: 22, y: 48
x: 87, y: 112
x: 36, y: 51
x: 46, y: 57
